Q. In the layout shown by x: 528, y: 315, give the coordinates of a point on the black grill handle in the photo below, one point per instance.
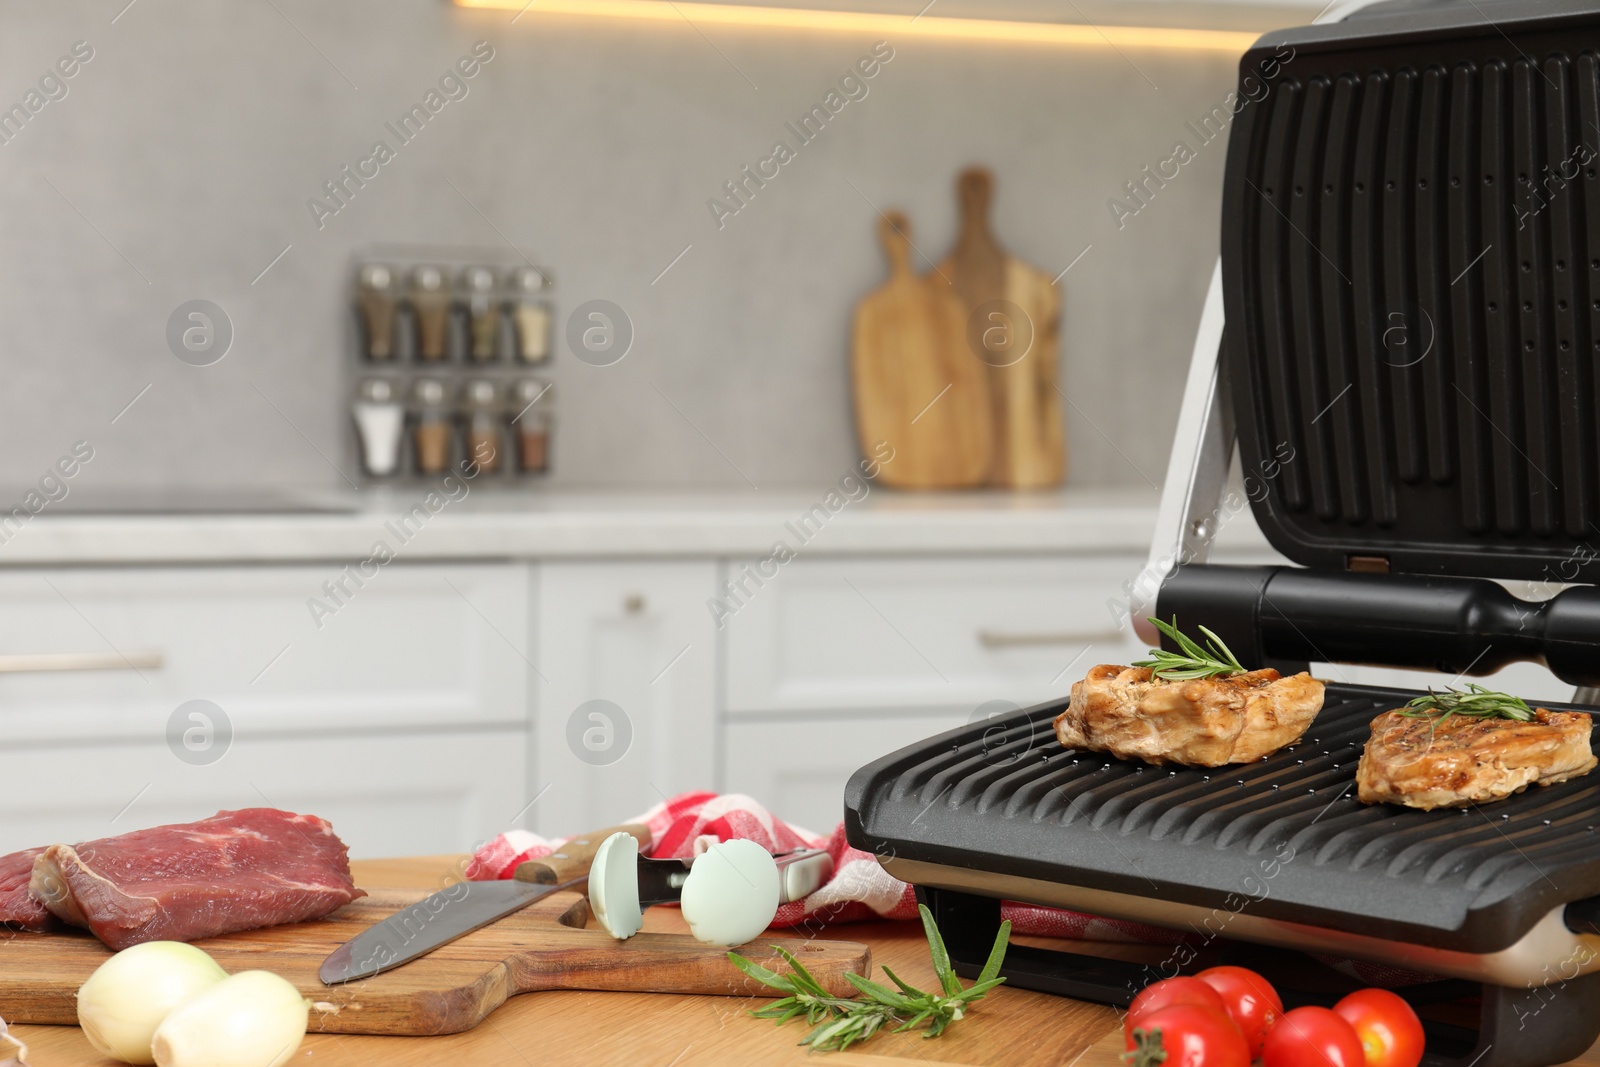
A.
x: 1583, y: 916
x: 1270, y: 615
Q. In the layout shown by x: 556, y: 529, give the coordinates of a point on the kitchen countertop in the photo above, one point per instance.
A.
x: 558, y: 1027
x: 484, y: 523
x: 1016, y: 1027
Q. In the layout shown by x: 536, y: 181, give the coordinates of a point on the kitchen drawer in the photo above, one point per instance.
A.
x: 799, y: 769
x: 923, y: 633
x: 415, y: 645
x: 393, y: 794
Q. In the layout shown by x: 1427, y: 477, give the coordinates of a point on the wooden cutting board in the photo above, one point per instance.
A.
x: 917, y: 387
x: 543, y: 946
x: 1013, y: 312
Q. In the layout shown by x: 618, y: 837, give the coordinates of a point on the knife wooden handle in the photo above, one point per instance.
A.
x: 573, y: 859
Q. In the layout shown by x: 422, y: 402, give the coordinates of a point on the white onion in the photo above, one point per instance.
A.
x: 13, y: 1045
x: 252, y: 1019
x: 123, y: 1002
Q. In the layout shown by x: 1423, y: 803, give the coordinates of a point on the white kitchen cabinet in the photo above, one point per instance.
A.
x: 402, y: 718
x: 923, y: 633
x: 625, y: 714
x: 442, y: 703
x: 414, y: 645
x: 391, y: 794
x: 798, y: 767
x: 833, y: 663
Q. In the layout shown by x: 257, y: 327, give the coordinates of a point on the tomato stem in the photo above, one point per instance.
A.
x: 1147, y: 1050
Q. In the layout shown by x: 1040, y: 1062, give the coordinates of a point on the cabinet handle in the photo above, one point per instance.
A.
x: 48, y: 662
x: 1001, y: 639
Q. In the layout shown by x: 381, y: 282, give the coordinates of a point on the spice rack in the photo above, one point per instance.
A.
x: 446, y: 370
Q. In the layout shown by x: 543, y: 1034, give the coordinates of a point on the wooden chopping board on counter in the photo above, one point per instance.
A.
x: 543, y: 946
x: 917, y: 387
x: 1013, y: 314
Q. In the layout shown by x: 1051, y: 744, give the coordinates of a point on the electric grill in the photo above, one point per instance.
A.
x: 1410, y: 280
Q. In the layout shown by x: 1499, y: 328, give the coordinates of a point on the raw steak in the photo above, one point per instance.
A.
x: 17, y: 906
x: 237, y: 870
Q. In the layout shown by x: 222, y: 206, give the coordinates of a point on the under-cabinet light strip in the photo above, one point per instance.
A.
x: 962, y: 29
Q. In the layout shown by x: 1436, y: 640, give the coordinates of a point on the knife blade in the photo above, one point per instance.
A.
x: 459, y: 909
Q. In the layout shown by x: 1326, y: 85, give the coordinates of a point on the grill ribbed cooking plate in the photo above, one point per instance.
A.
x: 1411, y: 254
x: 1005, y: 798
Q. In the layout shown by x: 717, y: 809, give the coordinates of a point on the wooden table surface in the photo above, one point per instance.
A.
x: 1014, y: 1027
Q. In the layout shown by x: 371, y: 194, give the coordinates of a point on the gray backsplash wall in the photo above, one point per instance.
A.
x: 180, y: 162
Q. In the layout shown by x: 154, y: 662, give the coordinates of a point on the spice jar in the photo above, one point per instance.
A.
x: 531, y: 425
x: 431, y: 299
x: 485, y: 428
x: 380, y: 423
x: 431, y: 434
x: 483, y: 311
x: 532, y: 314
x: 375, y: 297
x: 505, y: 342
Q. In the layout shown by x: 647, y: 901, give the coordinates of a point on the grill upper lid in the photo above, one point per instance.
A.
x: 1411, y: 268
x: 1284, y: 838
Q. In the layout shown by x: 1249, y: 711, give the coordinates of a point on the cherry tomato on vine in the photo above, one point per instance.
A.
x: 1252, y: 1003
x: 1308, y: 1036
x: 1170, y: 991
x: 1389, y: 1031
x: 1189, y: 1036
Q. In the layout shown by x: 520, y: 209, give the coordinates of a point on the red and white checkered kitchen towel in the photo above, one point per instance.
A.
x: 859, y: 890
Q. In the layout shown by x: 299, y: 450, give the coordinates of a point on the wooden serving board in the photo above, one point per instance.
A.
x: 1013, y: 315
x: 916, y: 385
x: 544, y: 946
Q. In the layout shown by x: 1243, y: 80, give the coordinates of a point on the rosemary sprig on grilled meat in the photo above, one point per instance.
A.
x: 1475, y: 702
x: 1191, y: 661
x: 837, y: 1022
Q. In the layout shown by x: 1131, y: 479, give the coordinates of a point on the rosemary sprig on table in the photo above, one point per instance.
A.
x: 1476, y: 702
x: 838, y: 1022
x: 1191, y: 661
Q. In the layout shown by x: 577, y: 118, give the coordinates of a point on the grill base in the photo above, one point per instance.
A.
x: 1524, y: 964
x: 1529, y: 1027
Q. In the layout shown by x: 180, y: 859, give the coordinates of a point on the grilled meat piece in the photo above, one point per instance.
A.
x: 1450, y: 762
x: 1206, y: 722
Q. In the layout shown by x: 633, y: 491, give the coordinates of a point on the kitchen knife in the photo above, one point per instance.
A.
x: 459, y: 909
